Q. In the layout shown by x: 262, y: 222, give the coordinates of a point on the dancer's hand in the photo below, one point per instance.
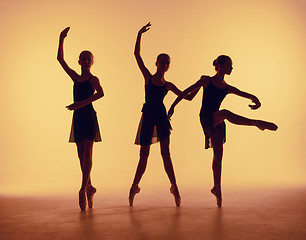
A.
x: 256, y: 101
x: 64, y: 33
x: 145, y: 28
x: 74, y: 106
x: 170, y: 112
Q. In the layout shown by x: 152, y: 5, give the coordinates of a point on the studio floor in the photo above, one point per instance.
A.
x: 246, y: 214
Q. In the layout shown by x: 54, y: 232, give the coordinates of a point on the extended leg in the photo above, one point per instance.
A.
x: 142, y: 164
x: 220, y: 116
x: 141, y: 168
x: 165, y: 152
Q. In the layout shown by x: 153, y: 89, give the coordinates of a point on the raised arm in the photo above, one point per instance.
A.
x: 145, y: 72
x: 252, y: 97
x: 60, y: 55
x: 190, y: 90
x: 95, y: 83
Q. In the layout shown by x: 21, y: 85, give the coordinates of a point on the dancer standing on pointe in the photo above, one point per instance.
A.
x: 85, y: 129
x: 212, y: 119
x: 154, y: 124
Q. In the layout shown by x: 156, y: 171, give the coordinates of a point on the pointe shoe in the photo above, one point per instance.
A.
x: 90, y: 193
x: 217, y: 192
x: 174, y: 190
x: 267, y: 125
x: 133, y: 192
x: 82, y: 199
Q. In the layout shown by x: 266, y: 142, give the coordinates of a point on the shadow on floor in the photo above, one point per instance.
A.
x: 278, y: 214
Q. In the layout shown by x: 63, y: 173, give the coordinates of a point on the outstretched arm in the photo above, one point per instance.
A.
x: 193, y: 88
x: 95, y: 83
x: 145, y: 72
x: 175, y: 90
x: 252, y: 97
x: 60, y: 55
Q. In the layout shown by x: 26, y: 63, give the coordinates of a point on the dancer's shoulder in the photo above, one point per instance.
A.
x: 204, y: 80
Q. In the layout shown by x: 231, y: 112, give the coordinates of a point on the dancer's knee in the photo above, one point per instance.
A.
x: 218, y: 156
x: 87, y: 153
x: 87, y: 150
x: 225, y: 113
x: 144, y: 152
x: 220, y: 116
x: 218, y: 151
x: 165, y: 152
x: 217, y: 160
x: 80, y: 150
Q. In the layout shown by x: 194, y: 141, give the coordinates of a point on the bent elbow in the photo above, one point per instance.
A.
x: 60, y: 59
x: 137, y: 55
x: 101, y: 94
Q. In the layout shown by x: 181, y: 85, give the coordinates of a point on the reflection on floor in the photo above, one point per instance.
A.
x: 267, y: 214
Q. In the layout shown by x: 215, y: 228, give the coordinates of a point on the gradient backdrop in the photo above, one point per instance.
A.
x: 265, y: 38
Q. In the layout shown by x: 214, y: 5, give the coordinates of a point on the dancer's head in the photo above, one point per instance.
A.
x: 163, y: 62
x: 223, y: 64
x: 86, y: 60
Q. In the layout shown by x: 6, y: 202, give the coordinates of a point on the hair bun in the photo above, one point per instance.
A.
x: 215, y: 63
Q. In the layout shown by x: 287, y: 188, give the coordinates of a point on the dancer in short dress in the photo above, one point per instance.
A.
x: 85, y: 128
x: 212, y: 119
x: 154, y: 124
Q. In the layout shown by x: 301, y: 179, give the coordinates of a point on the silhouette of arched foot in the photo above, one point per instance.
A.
x: 133, y: 191
x: 90, y: 193
x: 82, y: 199
x: 262, y: 125
x: 217, y: 192
x: 174, y: 190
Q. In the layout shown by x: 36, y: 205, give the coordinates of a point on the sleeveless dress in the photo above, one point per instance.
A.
x: 212, y: 99
x: 154, y: 123
x: 84, y: 122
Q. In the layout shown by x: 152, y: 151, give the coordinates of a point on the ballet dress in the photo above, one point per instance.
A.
x: 84, y: 122
x: 154, y: 123
x: 212, y: 99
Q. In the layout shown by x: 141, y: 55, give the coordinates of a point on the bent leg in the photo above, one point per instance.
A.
x: 220, y: 116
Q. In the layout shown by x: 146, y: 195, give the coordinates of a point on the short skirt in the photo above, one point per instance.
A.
x: 85, y: 126
x: 154, y: 126
x: 207, y: 123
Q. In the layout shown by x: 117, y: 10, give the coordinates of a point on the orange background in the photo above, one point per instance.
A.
x: 265, y: 39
